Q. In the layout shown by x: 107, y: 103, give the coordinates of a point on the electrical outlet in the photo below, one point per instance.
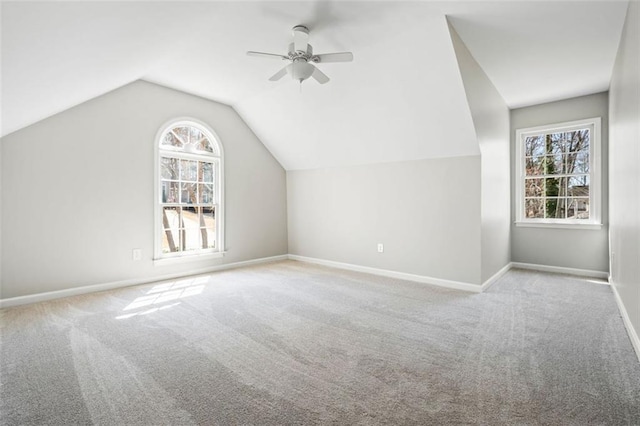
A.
x: 380, y: 248
x: 136, y: 254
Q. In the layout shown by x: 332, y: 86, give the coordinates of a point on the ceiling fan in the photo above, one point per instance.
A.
x: 302, y: 58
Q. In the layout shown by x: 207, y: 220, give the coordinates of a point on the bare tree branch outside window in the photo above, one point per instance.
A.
x: 556, y: 184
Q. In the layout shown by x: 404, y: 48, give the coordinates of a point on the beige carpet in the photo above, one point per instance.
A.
x: 293, y: 343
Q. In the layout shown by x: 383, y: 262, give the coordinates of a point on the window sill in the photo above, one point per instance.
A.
x: 570, y: 225
x: 191, y: 258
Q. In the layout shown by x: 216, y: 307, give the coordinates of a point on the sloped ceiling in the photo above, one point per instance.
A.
x: 401, y: 99
x: 536, y: 52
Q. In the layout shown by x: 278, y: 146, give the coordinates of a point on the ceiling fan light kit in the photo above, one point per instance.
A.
x: 302, y: 59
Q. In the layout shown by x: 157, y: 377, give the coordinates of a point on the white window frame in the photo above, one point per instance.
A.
x: 161, y: 258
x: 595, y: 172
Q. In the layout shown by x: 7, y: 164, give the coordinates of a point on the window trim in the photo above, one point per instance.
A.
x: 595, y: 175
x: 160, y: 258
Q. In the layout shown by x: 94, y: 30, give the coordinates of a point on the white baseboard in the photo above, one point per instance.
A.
x: 561, y: 270
x: 458, y: 285
x: 50, y: 295
x: 633, y: 334
x: 494, y: 278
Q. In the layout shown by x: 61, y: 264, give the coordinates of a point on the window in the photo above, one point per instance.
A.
x: 189, y: 187
x: 558, y: 169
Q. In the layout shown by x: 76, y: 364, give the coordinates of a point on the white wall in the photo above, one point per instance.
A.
x: 1, y: 132
x: 544, y: 246
x: 624, y: 160
x: 78, y: 192
x: 491, y: 120
x: 445, y: 218
x: 426, y: 213
x: 1, y: 292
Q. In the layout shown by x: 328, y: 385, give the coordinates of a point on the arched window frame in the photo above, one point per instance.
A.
x: 217, y: 158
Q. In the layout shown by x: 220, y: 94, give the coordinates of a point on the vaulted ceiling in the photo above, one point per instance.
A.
x: 401, y: 99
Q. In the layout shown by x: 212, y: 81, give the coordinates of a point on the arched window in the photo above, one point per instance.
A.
x: 189, y: 213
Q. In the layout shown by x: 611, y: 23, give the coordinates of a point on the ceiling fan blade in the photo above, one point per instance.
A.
x: 320, y: 76
x: 334, y: 57
x: 300, y: 38
x: 277, y: 76
x: 267, y: 55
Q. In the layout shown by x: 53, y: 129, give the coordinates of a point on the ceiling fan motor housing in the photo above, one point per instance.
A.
x: 293, y: 53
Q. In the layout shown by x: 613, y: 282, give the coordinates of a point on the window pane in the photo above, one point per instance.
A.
x: 554, y: 208
x: 578, y: 208
x: 534, y: 208
x: 534, y: 166
x: 579, y: 163
x: 189, y: 139
x: 188, y: 193
x: 170, y: 191
x: 561, y: 209
x: 578, y: 141
x: 571, y: 161
x: 554, y: 164
x: 565, y: 164
x: 208, y: 215
x: 192, y: 239
x: 195, y: 135
x: 534, y: 146
x: 562, y: 186
x: 203, y: 145
x: 206, y: 174
x: 555, y: 143
x: 182, y: 133
x: 586, y: 140
x: 534, y: 187
x: 190, y: 218
x: 548, y: 165
x: 171, y: 217
x: 205, y: 193
x: 551, y: 187
x: 578, y: 186
x: 169, y: 168
x: 170, y: 241
x: 571, y: 208
x: 208, y: 236
x: 189, y: 170
x: 171, y: 230
x: 170, y: 140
